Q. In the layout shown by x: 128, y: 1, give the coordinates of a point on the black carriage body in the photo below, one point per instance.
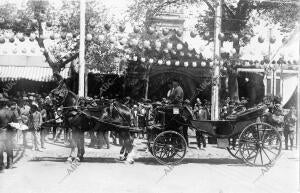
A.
x: 231, y: 126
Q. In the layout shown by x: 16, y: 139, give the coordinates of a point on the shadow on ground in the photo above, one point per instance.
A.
x: 146, y: 161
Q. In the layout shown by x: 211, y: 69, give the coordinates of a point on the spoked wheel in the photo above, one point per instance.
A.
x: 169, y: 147
x: 259, y: 144
x: 233, y: 148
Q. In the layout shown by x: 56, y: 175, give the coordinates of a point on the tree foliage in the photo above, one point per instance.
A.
x: 62, y: 20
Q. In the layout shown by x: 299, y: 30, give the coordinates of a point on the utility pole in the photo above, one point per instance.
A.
x: 217, y: 56
x: 82, y: 73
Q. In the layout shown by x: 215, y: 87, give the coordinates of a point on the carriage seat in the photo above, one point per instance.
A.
x: 248, y: 114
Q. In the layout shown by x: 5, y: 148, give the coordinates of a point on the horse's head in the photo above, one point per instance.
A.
x: 62, y: 96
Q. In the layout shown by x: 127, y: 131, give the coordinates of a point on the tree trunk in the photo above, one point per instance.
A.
x: 233, y: 86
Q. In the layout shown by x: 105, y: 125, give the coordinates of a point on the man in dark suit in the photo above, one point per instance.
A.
x: 6, y: 133
x: 177, y: 94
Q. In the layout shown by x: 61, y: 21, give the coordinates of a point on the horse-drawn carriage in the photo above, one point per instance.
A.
x: 254, y: 142
x: 243, y: 135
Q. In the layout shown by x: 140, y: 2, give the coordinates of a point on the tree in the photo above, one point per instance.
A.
x: 239, y: 18
x: 60, y: 22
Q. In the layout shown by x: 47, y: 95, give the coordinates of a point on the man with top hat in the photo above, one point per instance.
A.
x: 6, y: 133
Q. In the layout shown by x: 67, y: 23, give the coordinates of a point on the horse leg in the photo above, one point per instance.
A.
x: 129, y: 147
x: 80, y: 145
x: 123, y: 151
x: 73, y: 145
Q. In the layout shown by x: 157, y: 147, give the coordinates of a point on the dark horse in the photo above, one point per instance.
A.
x: 110, y: 115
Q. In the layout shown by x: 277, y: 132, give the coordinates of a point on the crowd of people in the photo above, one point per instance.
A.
x: 36, y: 116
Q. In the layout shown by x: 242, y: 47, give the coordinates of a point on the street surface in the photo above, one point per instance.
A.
x: 211, y: 170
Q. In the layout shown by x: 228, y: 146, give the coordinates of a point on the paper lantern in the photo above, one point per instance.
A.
x: 24, y: 50
x: 235, y: 37
x: 134, y: 58
x: 179, y: 46
x: 107, y: 27
x: 284, y: 40
x: 177, y: 63
x: 166, y: 51
x: 89, y: 37
x: 203, y: 63
x: 186, y: 64
x: 34, y: 21
x: 147, y: 44
x: 151, y: 60
x: 193, y: 34
x: 233, y: 51
x: 169, y: 45
x: 197, y: 56
x: 157, y: 44
x: 168, y: 63
x: 52, y: 36
x: 272, y: 40
x: 194, y: 64
x: 32, y: 36
x: 56, y: 36
x: 211, y: 64
x: 63, y: 36
x: 69, y: 36
x: 143, y: 59
x: 223, y: 50
x: 15, y: 50
x: 150, y: 30
x: 18, y: 20
x: 64, y: 23
x: 112, y: 40
x: 101, y: 38
x: 221, y: 63
x: 2, y: 40
x: 135, y: 42
x: 165, y: 32
x: 178, y: 33
x: 221, y: 36
x: 260, y: 39
x: 173, y: 52
x: 11, y: 40
x: 207, y: 34
x: 19, y: 35
x: 181, y: 53
x: 22, y: 39
x: 136, y: 30
x: 123, y: 41
x: 2, y: 20
x: 160, y: 62
x: 121, y: 28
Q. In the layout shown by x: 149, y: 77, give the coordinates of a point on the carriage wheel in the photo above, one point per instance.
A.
x: 233, y: 148
x: 259, y: 144
x: 169, y: 147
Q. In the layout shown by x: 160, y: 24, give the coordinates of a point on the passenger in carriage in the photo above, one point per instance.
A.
x: 177, y: 93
